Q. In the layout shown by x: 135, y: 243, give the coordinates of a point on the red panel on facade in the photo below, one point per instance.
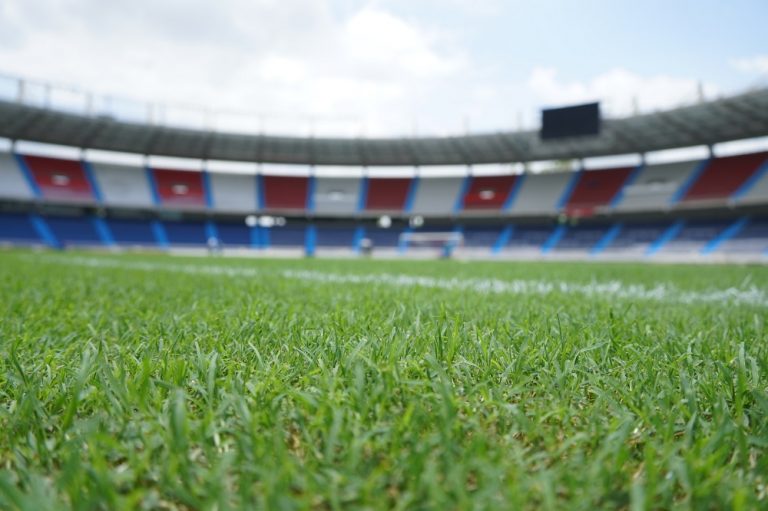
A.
x: 596, y: 188
x: 60, y: 179
x: 179, y: 187
x: 387, y: 194
x: 488, y: 192
x: 723, y: 176
x: 285, y: 192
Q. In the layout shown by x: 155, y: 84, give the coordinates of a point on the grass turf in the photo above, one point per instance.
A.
x: 125, y: 387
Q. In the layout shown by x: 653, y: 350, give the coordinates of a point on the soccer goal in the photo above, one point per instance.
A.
x: 439, y: 244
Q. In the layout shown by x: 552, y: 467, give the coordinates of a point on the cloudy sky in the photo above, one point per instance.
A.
x: 390, y: 66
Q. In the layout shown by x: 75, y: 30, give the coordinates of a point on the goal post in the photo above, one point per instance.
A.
x: 442, y: 243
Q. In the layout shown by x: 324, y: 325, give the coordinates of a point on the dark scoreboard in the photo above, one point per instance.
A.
x: 570, y: 121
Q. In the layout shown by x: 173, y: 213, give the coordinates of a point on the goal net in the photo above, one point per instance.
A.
x: 439, y: 244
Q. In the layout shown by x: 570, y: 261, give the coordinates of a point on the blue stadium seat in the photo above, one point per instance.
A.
x: 581, y: 237
x: 234, y: 234
x: 185, y: 232
x: 131, y: 231
x: 528, y: 238
x: 74, y: 230
x: 17, y: 228
x: 342, y: 237
x: 481, y: 237
x: 636, y: 238
x: 285, y: 236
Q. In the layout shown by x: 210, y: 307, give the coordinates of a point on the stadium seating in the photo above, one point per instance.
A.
x: 387, y: 194
x: 751, y: 239
x: 540, y: 194
x: 335, y: 237
x: 132, y: 232
x: 282, y: 237
x: 437, y: 196
x: 59, y: 180
x: 285, y: 192
x: 123, y: 185
x: 655, y: 186
x: 527, y: 240
x: 488, y: 192
x: 755, y: 189
x: 595, y: 189
x: 179, y: 188
x: 581, y: 238
x: 13, y: 183
x: 17, y: 228
x: 635, y: 239
x: 185, y: 233
x: 235, y: 234
x: 724, y: 176
x: 693, y: 237
x: 76, y: 230
x: 232, y: 193
x: 383, y: 238
x: 336, y: 195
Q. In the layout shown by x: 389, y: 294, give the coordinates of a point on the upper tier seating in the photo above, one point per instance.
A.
x: 755, y: 190
x: 595, y: 189
x: 540, y: 194
x: 724, y: 176
x: 60, y: 180
x: 336, y: 195
x: 179, y: 188
x: 285, y: 192
x: 488, y: 192
x: 123, y: 185
x: 387, y: 194
x: 13, y: 184
x: 233, y: 193
x: 437, y: 195
x: 655, y: 186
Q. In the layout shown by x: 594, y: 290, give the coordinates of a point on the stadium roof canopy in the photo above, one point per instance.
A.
x: 733, y: 118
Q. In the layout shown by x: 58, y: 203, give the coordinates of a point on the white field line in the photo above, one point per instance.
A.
x: 747, y: 295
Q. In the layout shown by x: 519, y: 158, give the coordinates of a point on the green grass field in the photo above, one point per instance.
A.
x: 159, y: 382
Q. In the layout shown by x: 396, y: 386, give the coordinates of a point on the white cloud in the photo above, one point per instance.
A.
x: 618, y: 89
x: 757, y: 64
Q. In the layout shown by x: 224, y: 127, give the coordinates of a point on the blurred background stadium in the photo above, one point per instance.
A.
x: 671, y: 168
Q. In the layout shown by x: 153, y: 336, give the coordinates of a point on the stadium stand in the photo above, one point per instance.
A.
x: 387, y: 194
x: 755, y: 189
x: 236, y: 234
x: 752, y: 238
x: 123, y: 185
x: 282, y: 237
x: 79, y: 230
x: 58, y: 179
x: 693, y: 237
x: 635, y: 239
x: 595, y: 189
x: 179, y: 188
x: 13, y: 183
x: 335, y: 239
x: 488, y: 192
x: 285, y: 192
x: 527, y: 240
x: 17, y: 228
x: 232, y: 193
x: 581, y: 238
x: 132, y: 232
x: 438, y: 196
x: 185, y: 232
x: 655, y: 186
x: 540, y: 194
x: 337, y: 195
x: 724, y: 176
